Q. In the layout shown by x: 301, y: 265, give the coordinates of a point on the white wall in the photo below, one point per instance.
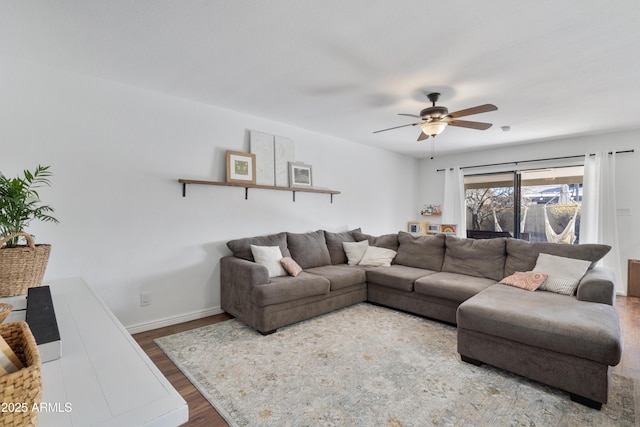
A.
x: 628, y: 175
x: 116, y: 153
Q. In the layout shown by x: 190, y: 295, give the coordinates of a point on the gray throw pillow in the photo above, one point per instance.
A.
x: 522, y: 255
x: 478, y: 258
x: 388, y: 241
x: 334, y: 244
x: 421, y: 251
x: 309, y: 249
x: 241, y: 248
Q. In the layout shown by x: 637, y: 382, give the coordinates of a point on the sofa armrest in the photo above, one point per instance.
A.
x: 598, y: 285
x: 237, y: 279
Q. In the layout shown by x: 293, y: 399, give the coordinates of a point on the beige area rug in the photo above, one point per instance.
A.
x: 371, y: 366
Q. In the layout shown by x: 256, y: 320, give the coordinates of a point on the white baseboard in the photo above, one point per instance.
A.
x: 174, y: 320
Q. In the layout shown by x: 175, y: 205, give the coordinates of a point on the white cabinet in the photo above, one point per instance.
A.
x: 103, y: 378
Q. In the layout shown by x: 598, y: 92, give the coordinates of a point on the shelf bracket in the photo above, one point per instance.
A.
x: 331, y: 197
x: 184, y: 189
x: 246, y: 193
x: 294, y: 195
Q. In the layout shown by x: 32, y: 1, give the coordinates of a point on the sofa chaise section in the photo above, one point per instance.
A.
x: 552, y: 338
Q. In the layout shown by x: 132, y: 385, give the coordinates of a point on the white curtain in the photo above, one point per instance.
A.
x: 454, y: 208
x: 599, y: 220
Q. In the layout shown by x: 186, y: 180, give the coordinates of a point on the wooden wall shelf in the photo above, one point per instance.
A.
x: 246, y: 187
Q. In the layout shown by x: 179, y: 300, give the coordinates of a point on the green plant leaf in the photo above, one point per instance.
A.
x: 20, y: 202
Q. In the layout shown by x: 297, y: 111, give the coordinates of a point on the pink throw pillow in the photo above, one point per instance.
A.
x: 290, y: 266
x: 529, y: 280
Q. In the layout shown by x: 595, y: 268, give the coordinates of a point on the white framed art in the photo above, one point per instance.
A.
x: 300, y: 175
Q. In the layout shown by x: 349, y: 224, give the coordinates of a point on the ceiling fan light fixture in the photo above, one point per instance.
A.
x: 433, y: 128
x: 437, y: 117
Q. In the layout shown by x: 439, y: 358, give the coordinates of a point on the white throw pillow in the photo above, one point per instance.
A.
x: 564, y: 273
x: 355, y: 251
x: 377, y: 257
x: 270, y: 257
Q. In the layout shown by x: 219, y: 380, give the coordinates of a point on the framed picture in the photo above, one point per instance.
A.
x: 448, y: 228
x: 299, y: 175
x: 241, y: 167
x: 433, y: 228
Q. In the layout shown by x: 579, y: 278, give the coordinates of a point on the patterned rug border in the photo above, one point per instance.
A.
x: 194, y: 378
x: 627, y: 417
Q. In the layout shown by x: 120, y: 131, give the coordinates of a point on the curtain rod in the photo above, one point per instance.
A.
x: 534, y: 160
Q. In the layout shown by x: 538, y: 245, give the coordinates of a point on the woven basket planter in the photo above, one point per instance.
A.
x: 21, y: 267
x: 22, y: 388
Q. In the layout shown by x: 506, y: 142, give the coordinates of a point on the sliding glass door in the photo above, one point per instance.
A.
x: 551, y: 202
x: 490, y: 203
x: 541, y: 205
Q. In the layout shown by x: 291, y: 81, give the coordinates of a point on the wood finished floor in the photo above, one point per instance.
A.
x: 201, y: 413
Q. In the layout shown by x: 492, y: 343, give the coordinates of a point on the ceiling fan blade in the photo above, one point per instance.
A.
x: 423, y: 136
x: 410, y: 115
x: 470, y: 125
x: 473, y: 110
x: 396, y: 127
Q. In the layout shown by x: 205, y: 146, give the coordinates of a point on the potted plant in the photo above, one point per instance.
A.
x: 22, y: 266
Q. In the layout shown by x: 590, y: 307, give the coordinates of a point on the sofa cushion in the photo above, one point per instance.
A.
x: 398, y: 277
x: 288, y: 288
x: 564, y: 273
x: 387, y: 241
x: 241, y: 248
x: 309, y: 249
x: 546, y: 320
x: 421, y: 251
x: 270, y: 257
x: 340, y: 276
x: 451, y: 286
x: 478, y: 258
x: 334, y: 244
x: 522, y: 256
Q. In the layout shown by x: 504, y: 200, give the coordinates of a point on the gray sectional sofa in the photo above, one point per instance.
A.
x: 567, y: 341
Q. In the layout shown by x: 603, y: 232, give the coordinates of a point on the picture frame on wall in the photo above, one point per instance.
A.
x: 300, y: 175
x: 241, y: 167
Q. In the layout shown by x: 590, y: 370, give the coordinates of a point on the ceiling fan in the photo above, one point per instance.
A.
x: 436, y: 118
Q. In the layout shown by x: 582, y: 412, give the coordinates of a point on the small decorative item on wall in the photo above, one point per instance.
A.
x: 433, y: 228
x: 273, y: 154
x: 448, y: 228
x: 284, y: 152
x: 299, y: 175
x: 241, y: 167
x: 413, y: 227
x: 431, y: 210
x: 418, y: 227
x: 424, y: 228
x: 261, y: 144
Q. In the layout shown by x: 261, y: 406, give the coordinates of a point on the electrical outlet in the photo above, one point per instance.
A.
x: 145, y: 299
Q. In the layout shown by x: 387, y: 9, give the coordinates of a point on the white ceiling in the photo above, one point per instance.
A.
x: 346, y: 68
